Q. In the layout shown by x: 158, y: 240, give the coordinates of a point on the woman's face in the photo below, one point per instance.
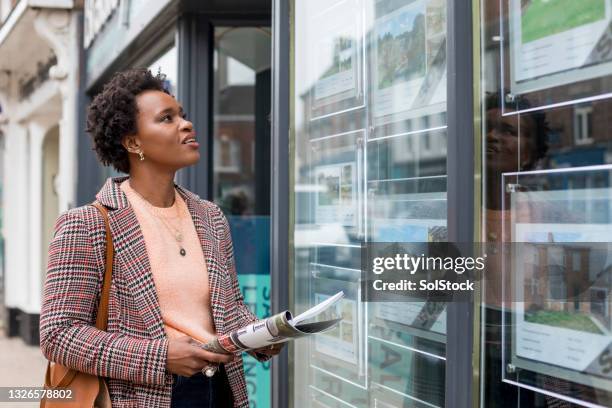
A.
x: 502, y: 143
x: 165, y: 136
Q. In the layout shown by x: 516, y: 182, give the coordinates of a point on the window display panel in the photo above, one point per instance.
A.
x: 554, y: 312
x: 554, y: 44
x: 337, y: 66
x: 547, y: 159
x: 369, y: 165
x: 408, y: 64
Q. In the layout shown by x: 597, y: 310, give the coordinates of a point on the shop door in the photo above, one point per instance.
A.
x: 241, y: 168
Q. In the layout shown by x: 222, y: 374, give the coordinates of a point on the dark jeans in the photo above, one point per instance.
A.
x: 199, y: 391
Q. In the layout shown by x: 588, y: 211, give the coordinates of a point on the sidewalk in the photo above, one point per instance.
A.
x: 20, y: 365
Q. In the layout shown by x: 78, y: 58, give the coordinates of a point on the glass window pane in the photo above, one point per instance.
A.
x: 241, y: 169
x: 369, y: 164
x: 547, y: 166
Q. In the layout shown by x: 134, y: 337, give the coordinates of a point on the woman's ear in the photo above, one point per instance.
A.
x: 131, y: 144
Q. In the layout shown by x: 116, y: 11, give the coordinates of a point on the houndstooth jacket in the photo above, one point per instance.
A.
x: 131, y: 354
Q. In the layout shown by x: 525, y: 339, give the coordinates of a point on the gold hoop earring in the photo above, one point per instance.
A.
x: 140, y: 155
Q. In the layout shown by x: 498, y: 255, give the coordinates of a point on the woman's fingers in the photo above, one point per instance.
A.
x: 186, y: 357
x: 272, y: 350
x: 207, y: 356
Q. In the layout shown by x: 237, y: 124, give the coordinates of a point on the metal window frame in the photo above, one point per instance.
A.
x: 195, y: 75
x: 279, y: 189
x: 460, y: 193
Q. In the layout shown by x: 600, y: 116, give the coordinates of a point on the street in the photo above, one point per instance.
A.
x: 20, y: 365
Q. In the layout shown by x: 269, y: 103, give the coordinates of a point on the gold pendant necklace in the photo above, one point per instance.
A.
x: 177, y: 234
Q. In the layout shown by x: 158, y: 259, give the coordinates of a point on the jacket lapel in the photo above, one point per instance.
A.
x: 131, y: 253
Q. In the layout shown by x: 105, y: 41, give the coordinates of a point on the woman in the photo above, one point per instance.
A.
x: 174, y: 281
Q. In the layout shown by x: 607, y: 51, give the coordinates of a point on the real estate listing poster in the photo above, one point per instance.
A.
x: 557, y: 42
x: 336, y: 200
x: 409, y: 60
x: 563, y: 318
x: 335, y: 163
x: 342, y: 350
x: 336, y: 66
x: 342, y: 341
x: 429, y: 316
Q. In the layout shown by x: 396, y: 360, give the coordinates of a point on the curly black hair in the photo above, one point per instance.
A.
x: 112, y: 114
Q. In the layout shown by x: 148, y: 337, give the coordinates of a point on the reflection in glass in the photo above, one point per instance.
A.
x: 546, y: 177
x: 241, y: 106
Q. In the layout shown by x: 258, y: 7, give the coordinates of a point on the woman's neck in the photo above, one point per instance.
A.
x: 157, y: 189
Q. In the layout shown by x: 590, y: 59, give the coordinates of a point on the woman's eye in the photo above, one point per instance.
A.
x: 166, y: 118
x: 184, y: 115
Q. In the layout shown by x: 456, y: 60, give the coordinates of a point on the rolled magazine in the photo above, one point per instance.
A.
x: 279, y: 328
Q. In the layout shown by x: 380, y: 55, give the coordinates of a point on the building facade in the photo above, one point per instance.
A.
x: 40, y: 45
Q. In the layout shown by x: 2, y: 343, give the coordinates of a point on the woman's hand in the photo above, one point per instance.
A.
x: 272, y: 350
x: 186, y: 357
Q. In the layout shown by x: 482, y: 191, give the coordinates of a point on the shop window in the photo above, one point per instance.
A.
x: 545, y: 76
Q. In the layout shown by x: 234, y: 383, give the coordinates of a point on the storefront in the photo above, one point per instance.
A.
x: 330, y: 123
x: 434, y: 120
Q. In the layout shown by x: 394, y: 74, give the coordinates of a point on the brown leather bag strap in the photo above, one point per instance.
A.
x: 102, y: 316
x: 65, y: 380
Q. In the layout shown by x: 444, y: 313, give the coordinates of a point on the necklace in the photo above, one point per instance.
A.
x: 178, y: 236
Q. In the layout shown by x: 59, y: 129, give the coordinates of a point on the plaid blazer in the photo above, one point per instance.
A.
x: 132, y: 352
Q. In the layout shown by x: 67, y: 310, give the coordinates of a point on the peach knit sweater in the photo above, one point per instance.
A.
x: 181, y: 282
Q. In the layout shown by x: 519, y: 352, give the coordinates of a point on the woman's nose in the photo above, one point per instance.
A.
x: 186, y: 125
x: 493, y: 135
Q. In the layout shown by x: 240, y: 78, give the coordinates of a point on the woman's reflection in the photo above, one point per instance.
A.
x: 515, y: 142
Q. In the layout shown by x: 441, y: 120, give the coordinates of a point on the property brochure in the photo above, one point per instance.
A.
x: 276, y: 329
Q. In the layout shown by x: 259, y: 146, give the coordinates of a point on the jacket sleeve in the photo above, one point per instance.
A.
x: 246, y: 317
x: 67, y: 321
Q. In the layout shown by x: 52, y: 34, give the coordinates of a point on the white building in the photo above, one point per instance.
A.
x: 39, y: 77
